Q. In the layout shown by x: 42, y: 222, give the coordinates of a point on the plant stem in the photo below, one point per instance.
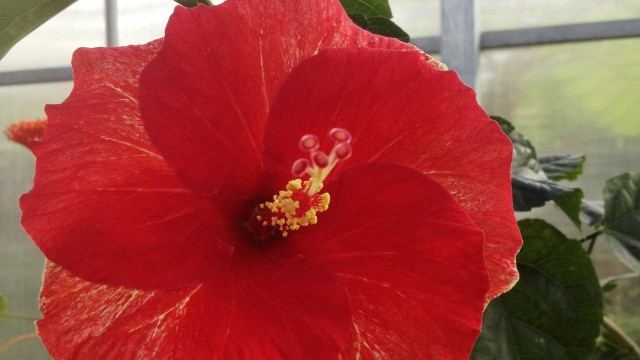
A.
x: 591, y: 236
x: 591, y: 245
x: 620, y: 337
x: 17, y: 317
x: 17, y: 340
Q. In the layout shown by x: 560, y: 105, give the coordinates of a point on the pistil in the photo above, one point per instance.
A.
x: 300, y: 202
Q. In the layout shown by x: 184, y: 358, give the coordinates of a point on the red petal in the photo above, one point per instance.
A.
x: 275, y: 311
x: 399, y: 109
x: 206, y: 97
x: 104, y: 204
x: 410, y: 258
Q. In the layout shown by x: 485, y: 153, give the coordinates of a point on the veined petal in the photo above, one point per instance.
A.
x: 399, y: 109
x: 105, y: 205
x: 291, y: 310
x: 410, y: 258
x: 206, y: 96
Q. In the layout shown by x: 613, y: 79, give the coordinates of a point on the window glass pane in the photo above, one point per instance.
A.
x: 51, y: 45
x: 143, y: 20
x: 417, y: 17
x: 20, y: 260
x: 571, y: 98
x: 575, y: 98
x: 511, y: 14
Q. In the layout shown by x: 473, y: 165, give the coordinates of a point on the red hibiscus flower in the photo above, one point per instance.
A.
x: 165, y: 201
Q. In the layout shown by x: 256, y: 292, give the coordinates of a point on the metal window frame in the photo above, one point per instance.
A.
x: 111, y: 21
x: 459, y: 42
x: 458, y: 46
x: 534, y: 36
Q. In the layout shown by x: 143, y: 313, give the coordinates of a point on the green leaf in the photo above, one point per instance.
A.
x: 380, y: 26
x: 187, y: 3
x: 554, y: 311
x: 385, y: 27
x: 368, y: 8
x: 622, y: 218
x: 524, y: 153
x: 609, y: 349
x: 593, y: 210
x: 20, y: 17
x: 359, y: 20
x: 193, y: 3
x: 570, y: 203
x: 562, y: 167
x: 622, y: 204
x: 3, y: 303
x: 531, y: 186
x: 374, y: 16
x: 497, y: 340
x: 530, y: 192
x: 609, y: 286
x: 506, y: 126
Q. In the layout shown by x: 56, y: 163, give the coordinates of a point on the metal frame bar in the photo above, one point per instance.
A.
x: 111, y: 21
x: 35, y: 76
x: 459, y: 44
x: 561, y: 34
x: 607, y: 30
x: 428, y: 44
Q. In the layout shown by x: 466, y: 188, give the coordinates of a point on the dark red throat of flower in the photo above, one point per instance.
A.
x: 299, y: 204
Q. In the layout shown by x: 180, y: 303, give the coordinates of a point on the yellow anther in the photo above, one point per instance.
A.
x: 295, y: 207
x: 300, y: 202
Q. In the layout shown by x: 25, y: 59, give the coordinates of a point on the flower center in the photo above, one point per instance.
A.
x: 300, y: 202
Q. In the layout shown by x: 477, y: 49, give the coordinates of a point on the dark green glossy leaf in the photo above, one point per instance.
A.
x: 359, y: 20
x: 554, y: 311
x: 569, y: 203
x: 622, y: 204
x: 530, y: 192
x: 193, y: 3
x: 368, y: 8
x: 524, y: 156
x: 497, y: 340
x: 385, y: 27
x: 622, y: 217
x: 20, y: 17
x: 531, y: 186
x: 187, y: 3
x: 562, y: 167
x: 506, y: 126
x: 380, y: 26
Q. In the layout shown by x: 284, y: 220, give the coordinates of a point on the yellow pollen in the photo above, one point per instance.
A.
x: 294, y: 207
x: 300, y: 202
